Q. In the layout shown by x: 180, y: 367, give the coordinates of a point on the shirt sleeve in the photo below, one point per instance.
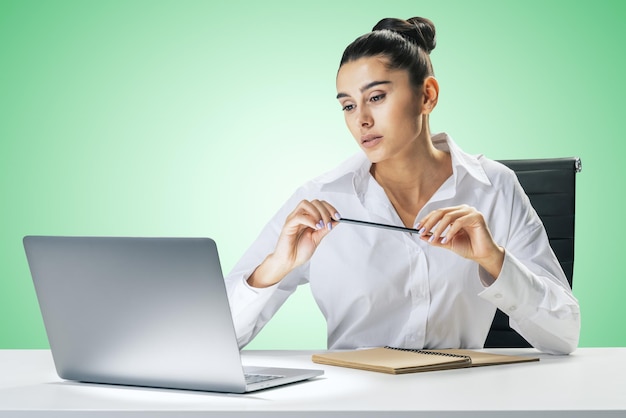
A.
x: 546, y: 314
x: 532, y: 288
x: 252, y: 308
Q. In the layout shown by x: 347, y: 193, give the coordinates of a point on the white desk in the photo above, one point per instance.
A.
x: 589, y: 383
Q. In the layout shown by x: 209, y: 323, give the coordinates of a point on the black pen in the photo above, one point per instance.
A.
x: 384, y: 226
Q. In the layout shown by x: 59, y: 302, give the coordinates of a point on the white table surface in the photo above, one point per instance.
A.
x: 591, y: 382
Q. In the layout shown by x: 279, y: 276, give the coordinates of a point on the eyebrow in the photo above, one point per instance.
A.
x: 365, y: 87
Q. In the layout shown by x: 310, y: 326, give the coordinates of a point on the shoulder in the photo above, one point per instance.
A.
x: 504, y: 182
x: 498, y: 173
x: 507, y: 187
x: 352, y: 165
x: 485, y: 171
x: 342, y: 177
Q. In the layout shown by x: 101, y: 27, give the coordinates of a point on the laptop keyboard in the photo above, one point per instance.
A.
x: 256, y: 378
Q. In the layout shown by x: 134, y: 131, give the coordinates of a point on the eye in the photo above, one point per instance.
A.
x: 347, y: 107
x: 377, y: 97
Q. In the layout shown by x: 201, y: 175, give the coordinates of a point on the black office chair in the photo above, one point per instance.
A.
x: 551, y: 186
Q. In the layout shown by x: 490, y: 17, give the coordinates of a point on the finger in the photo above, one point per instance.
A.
x: 447, y: 236
x: 331, y: 209
x: 316, y: 214
x: 334, y: 215
x: 430, y: 221
x: 328, y: 212
x: 464, y: 223
x: 437, y: 222
x: 306, y: 213
x: 297, y: 220
x: 427, y: 223
x: 325, y: 215
x: 450, y: 218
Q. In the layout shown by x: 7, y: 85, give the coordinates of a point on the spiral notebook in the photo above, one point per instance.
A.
x: 400, y: 360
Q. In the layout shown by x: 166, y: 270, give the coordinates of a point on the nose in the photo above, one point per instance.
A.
x: 364, y: 118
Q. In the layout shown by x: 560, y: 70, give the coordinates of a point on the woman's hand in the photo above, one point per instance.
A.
x: 302, y: 232
x: 463, y: 230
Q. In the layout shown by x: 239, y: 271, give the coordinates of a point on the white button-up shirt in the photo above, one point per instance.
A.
x: 377, y: 287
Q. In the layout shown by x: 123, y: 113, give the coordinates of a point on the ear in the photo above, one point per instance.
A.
x: 430, y: 90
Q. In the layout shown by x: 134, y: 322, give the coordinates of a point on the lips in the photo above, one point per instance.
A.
x: 370, y: 140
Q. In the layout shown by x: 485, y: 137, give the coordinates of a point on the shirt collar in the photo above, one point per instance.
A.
x: 462, y: 163
x: 353, y: 174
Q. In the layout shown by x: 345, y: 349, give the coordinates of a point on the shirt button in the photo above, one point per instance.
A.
x: 512, y: 308
x: 498, y: 296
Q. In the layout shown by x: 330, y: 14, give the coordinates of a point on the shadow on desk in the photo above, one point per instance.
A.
x: 132, y: 390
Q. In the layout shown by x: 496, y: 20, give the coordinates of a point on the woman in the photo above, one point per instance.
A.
x: 481, y: 245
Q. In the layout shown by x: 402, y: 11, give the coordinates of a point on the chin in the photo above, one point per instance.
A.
x: 374, y: 156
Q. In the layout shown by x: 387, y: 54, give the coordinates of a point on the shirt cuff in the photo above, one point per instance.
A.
x: 516, y: 291
x: 250, y: 300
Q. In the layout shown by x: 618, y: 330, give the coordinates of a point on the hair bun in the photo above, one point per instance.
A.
x: 418, y: 30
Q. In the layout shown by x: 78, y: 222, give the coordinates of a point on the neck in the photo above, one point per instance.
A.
x: 411, y: 179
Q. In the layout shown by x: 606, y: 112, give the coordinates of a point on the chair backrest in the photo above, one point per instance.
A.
x: 551, y: 186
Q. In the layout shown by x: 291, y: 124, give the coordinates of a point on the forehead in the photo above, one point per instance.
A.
x: 355, y: 74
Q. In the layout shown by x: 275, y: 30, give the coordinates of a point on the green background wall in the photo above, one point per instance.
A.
x: 199, y: 118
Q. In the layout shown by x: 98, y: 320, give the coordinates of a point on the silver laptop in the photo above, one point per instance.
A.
x: 144, y: 312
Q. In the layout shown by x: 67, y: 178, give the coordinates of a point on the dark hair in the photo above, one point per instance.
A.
x: 405, y: 43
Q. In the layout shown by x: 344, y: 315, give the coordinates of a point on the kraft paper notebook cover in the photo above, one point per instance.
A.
x: 399, y: 361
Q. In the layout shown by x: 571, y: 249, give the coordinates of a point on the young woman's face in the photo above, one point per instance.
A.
x: 382, y: 110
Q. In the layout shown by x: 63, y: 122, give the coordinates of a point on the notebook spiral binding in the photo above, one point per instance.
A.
x: 434, y: 353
